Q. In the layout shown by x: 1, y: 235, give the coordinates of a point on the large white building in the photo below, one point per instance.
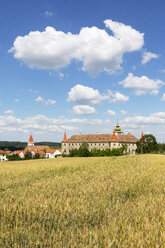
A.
x: 100, y: 141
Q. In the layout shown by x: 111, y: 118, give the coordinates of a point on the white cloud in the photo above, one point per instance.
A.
x: 111, y: 112
x: 43, y: 126
x: 16, y: 100
x: 39, y: 99
x: 123, y: 112
x: 163, y: 97
x: 32, y: 91
x: 61, y: 75
x: 152, y: 119
x: 9, y: 112
x: 97, y: 49
x: 147, y: 56
x: 45, y: 101
x: 117, y: 97
x: 48, y: 13
x: 142, y: 85
x: 50, y: 102
x: 85, y: 95
x: 84, y: 110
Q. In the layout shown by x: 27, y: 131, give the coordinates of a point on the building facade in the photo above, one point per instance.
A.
x: 100, y: 141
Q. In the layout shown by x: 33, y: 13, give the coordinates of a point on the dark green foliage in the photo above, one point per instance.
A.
x: 17, y: 145
x: 147, y: 144
x: 36, y: 156
x: 13, y: 157
x: 28, y: 155
x: 83, y: 150
x: 74, y: 153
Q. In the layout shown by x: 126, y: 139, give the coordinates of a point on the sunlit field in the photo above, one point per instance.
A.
x: 83, y: 202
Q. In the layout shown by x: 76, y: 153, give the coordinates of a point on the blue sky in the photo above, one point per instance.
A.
x: 79, y: 66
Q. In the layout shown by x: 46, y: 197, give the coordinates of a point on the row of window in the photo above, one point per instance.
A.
x: 94, y: 144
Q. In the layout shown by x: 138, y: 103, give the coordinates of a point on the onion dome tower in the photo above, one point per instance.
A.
x: 118, y: 129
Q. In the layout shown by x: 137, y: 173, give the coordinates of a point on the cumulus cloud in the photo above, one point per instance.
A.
x: 117, y: 97
x: 97, y: 49
x: 84, y: 110
x: 147, y: 56
x: 42, y: 125
x: 142, y: 85
x: 123, y: 112
x: 45, y: 101
x: 163, y: 97
x: 84, y: 95
x: 111, y: 112
x: 152, y: 119
x: 9, y: 112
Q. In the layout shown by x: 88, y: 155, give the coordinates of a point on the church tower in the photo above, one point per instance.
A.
x: 118, y: 129
x: 31, y: 141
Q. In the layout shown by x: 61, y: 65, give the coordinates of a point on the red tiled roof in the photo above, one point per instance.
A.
x: 35, y: 148
x: 2, y: 152
x: 41, y: 152
x: 94, y: 138
x: 51, y: 150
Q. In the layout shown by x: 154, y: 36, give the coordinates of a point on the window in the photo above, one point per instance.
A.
x: 103, y: 144
x: 64, y: 144
x: 91, y: 144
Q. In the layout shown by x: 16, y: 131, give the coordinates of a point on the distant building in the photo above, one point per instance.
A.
x: 3, y: 156
x: 32, y: 147
x: 41, y: 153
x: 51, y: 153
x: 21, y: 154
x: 100, y: 141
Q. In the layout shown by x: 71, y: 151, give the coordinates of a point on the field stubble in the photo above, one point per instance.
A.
x: 83, y: 202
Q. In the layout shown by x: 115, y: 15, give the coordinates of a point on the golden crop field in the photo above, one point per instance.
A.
x: 83, y: 202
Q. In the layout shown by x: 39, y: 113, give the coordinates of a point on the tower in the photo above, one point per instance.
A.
x: 31, y: 141
x: 118, y: 129
x: 64, y: 139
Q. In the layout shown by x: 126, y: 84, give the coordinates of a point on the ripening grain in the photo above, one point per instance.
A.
x: 83, y: 202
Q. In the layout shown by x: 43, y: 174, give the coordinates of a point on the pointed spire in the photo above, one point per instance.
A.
x: 31, y: 141
x: 64, y: 139
x: 142, y: 135
x: 114, y: 138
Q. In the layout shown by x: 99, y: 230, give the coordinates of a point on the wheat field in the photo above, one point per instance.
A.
x: 83, y: 202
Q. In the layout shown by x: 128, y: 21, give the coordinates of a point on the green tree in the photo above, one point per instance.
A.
x: 28, y: 155
x: 147, y: 144
x: 36, y: 156
x: 13, y: 157
x: 74, y: 153
x: 84, y: 150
